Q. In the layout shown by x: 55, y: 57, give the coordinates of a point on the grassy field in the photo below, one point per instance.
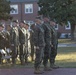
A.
x: 66, y: 57
x: 67, y: 41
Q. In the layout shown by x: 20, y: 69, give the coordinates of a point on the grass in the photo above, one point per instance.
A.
x: 67, y: 41
x: 66, y: 57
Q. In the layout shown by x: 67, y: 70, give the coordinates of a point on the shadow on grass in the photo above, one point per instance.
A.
x: 66, y: 58
x: 9, y: 65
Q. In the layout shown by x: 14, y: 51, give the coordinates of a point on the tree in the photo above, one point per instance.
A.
x: 60, y: 10
x: 5, y: 10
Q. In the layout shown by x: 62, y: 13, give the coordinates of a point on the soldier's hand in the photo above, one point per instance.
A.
x: 37, y: 47
x: 12, y: 44
x: 51, y: 45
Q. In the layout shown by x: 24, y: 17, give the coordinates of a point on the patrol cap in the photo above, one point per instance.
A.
x: 1, y: 25
x: 38, y: 17
x: 16, y: 21
x: 27, y: 24
x: 24, y: 22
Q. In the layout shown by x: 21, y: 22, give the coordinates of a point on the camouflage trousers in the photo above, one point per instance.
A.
x: 47, y: 51
x: 14, y: 53
x: 53, y: 54
x: 39, y: 56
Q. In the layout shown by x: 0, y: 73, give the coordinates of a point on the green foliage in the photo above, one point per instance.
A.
x: 4, y: 10
x: 61, y: 10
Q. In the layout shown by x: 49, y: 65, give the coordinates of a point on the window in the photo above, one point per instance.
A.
x: 39, y: 8
x: 28, y: 8
x: 56, y: 26
x: 30, y: 22
x: 14, y: 9
x: 68, y: 26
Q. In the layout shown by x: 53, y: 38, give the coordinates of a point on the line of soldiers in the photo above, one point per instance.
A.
x: 4, y: 41
x: 45, y: 41
x: 15, y: 38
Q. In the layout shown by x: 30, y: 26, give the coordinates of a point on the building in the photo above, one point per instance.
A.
x: 64, y: 31
x: 28, y: 10
x: 24, y: 10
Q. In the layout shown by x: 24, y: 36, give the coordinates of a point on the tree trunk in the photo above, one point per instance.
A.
x: 75, y: 33
x: 72, y: 32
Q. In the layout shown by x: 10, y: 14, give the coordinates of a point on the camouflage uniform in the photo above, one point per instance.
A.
x: 14, y: 39
x: 2, y: 43
x: 39, y: 44
x: 7, y: 34
x: 54, y: 41
x: 22, y: 44
x: 32, y: 43
x: 27, y: 37
x: 47, y: 37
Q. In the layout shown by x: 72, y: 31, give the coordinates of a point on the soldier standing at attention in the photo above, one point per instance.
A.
x: 22, y: 35
x: 47, y: 37
x: 7, y: 35
x: 54, y: 41
x: 27, y: 38
x: 14, y: 38
x: 2, y: 41
x: 39, y: 45
x: 32, y: 41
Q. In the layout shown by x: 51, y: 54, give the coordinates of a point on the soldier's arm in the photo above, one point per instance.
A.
x: 36, y: 36
x: 12, y: 38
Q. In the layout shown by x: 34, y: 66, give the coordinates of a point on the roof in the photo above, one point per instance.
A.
x: 23, y: 0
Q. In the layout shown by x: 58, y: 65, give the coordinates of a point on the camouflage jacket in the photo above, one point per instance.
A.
x: 39, y: 36
x: 47, y: 33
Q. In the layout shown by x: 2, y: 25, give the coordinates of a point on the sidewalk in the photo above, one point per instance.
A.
x: 66, y: 45
x: 29, y: 71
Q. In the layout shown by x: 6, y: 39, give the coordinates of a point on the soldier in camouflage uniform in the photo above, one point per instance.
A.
x: 54, y: 41
x: 8, y: 44
x: 22, y: 42
x: 47, y: 37
x: 27, y: 37
x: 23, y: 38
x: 39, y: 45
x: 31, y: 41
x: 14, y: 39
x: 2, y: 41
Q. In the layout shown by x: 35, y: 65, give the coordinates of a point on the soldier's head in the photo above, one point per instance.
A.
x: 32, y: 25
x: 21, y: 24
x: 46, y: 19
x: 15, y: 23
x: 26, y: 25
x: 8, y: 27
x: 38, y: 20
x: 1, y: 26
x: 52, y: 22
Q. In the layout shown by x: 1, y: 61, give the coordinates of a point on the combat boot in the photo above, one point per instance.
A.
x: 47, y: 68
x: 53, y: 66
x: 38, y: 71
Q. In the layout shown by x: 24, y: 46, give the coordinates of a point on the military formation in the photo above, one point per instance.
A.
x: 45, y: 42
x: 14, y: 41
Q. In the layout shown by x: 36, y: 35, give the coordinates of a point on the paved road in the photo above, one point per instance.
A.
x: 29, y: 71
